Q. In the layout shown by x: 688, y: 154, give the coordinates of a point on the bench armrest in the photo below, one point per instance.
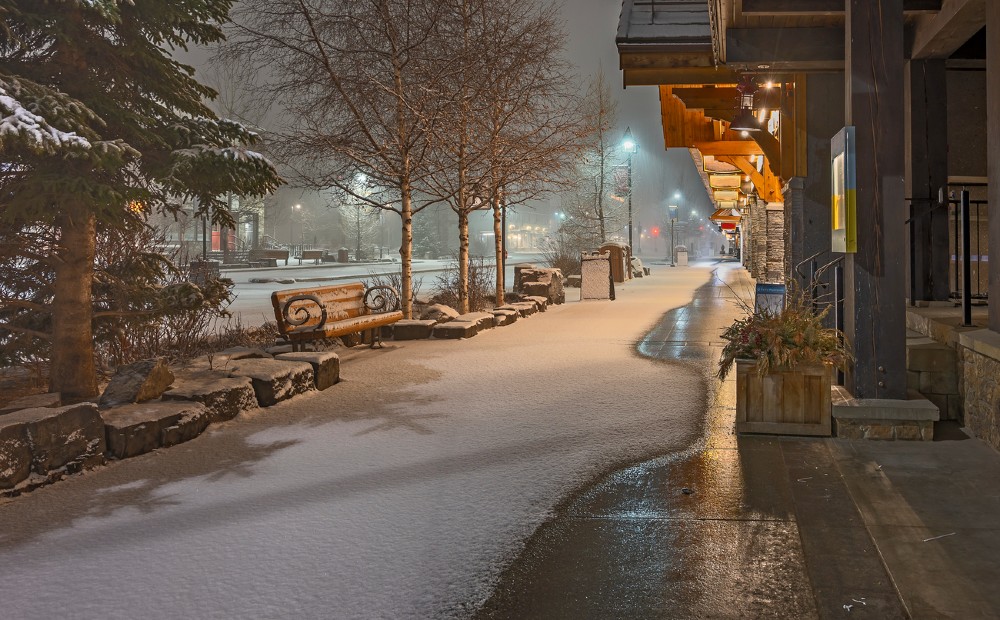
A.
x: 380, y: 299
x: 302, y: 314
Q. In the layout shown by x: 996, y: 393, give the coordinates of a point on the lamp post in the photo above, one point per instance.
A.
x: 672, y: 211
x: 631, y: 147
x: 291, y: 226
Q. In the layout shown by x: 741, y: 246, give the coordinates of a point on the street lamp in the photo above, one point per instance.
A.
x: 672, y: 211
x: 291, y: 226
x: 631, y: 147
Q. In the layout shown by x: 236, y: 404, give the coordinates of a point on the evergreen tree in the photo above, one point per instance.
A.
x: 99, y: 126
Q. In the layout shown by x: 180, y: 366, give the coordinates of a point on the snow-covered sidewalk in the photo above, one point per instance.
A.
x: 400, y: 493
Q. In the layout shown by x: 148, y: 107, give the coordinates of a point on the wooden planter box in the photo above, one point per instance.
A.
x: 792, y: 401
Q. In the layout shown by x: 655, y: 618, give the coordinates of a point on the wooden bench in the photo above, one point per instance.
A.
x: 268, y: 258
x: 338, y: 311
x: 314, y: 255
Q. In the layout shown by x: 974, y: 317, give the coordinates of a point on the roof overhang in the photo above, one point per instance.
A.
x: 711, y: 41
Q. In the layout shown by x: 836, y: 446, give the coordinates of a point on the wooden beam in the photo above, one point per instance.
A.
x: 786, y: 48
x: 771, y: 149
x: 738, y: 148
x: 725, y: 97
x: 938, y: 36
x: 664, y: 57
x: 680, y: 75
x: 814, y: 8
x: 770, y: 192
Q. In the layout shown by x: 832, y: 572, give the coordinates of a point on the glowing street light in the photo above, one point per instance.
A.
x: 631, y: 147
x: 291, y: 225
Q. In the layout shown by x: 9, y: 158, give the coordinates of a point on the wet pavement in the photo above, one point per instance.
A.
x: 736, y: 527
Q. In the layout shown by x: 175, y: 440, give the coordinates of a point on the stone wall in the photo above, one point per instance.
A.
x: 775, y: 222
x: 932, y: 370
x: 979, y: 356
x: 758, y: 239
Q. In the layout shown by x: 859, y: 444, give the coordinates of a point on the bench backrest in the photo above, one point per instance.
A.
x: 303, y: 309
x: 262, y: 253
x: 312, y: 253
x: 235, y: 256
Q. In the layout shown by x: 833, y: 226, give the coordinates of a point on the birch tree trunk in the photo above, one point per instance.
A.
x: 463, y: 258
x: 498, y: 233
x: 406, y: 254
x: 73, y: 373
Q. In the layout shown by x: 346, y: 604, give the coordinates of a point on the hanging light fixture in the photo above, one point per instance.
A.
x: 745, y: 119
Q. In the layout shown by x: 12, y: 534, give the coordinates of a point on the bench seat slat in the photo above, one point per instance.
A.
x: 350, y: 326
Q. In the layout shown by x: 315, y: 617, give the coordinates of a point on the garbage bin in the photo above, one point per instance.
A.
x: 596, y: 281
x: 342, y: 255
x: 682, y: 255
x: 620, y: 256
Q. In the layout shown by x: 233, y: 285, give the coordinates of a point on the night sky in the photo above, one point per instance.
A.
x: 657, y: 174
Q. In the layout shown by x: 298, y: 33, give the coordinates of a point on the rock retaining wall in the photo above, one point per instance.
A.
x: 979, y: 356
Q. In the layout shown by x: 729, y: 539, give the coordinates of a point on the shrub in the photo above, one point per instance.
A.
x: 482, y: 285
x: 795, y: 335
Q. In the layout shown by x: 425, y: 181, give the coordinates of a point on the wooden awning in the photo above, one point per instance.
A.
x: 731, y: 216
x: 696, y: 51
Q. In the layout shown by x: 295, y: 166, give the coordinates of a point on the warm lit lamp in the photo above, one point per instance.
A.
x: 745, y: 119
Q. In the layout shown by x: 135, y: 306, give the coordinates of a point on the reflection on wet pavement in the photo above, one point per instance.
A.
x: 704, y: 534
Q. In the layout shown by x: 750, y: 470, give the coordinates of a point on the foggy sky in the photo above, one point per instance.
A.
x: 591, y: 27
x: 657, y: 173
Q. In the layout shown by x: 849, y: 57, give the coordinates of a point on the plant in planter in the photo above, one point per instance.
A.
x: 783, y: 366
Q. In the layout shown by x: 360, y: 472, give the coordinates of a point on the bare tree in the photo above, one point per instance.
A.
x: 596, y: 203
x: 359, y: 219
x: 533, y: 125
x: 513, y: 123
x: 360, y: 86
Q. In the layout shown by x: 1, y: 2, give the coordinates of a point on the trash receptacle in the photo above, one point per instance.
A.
x: 596, y: 281
x: 342, y: 256
x: 620, y: 256
x: 682, y: 255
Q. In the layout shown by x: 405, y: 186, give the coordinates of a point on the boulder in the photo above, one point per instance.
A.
x: 535, y: 289
x: 456, y: 329
x: 48, y: 399
x: 524, y: 308
x: 135, y: 429
x: 542, y: 282
x: 192, y: 423
x: 325, y: 364
x: 137, y: 382
x: 15, y: 452
x: 439, y: 313
x: 274, y: 381
x: 483, y: 320
x: 224, y: 397
x: 412, y: 329
x: 504, y: 317
x: 541, y: 302
x: 222, y: 360
x: 520, y: 270
x: 52, y: 438
x: 244, y: 353
x: 63, y: 435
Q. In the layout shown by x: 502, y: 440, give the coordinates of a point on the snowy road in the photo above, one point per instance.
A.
x: 252, y: 303
x: 400, y: 493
